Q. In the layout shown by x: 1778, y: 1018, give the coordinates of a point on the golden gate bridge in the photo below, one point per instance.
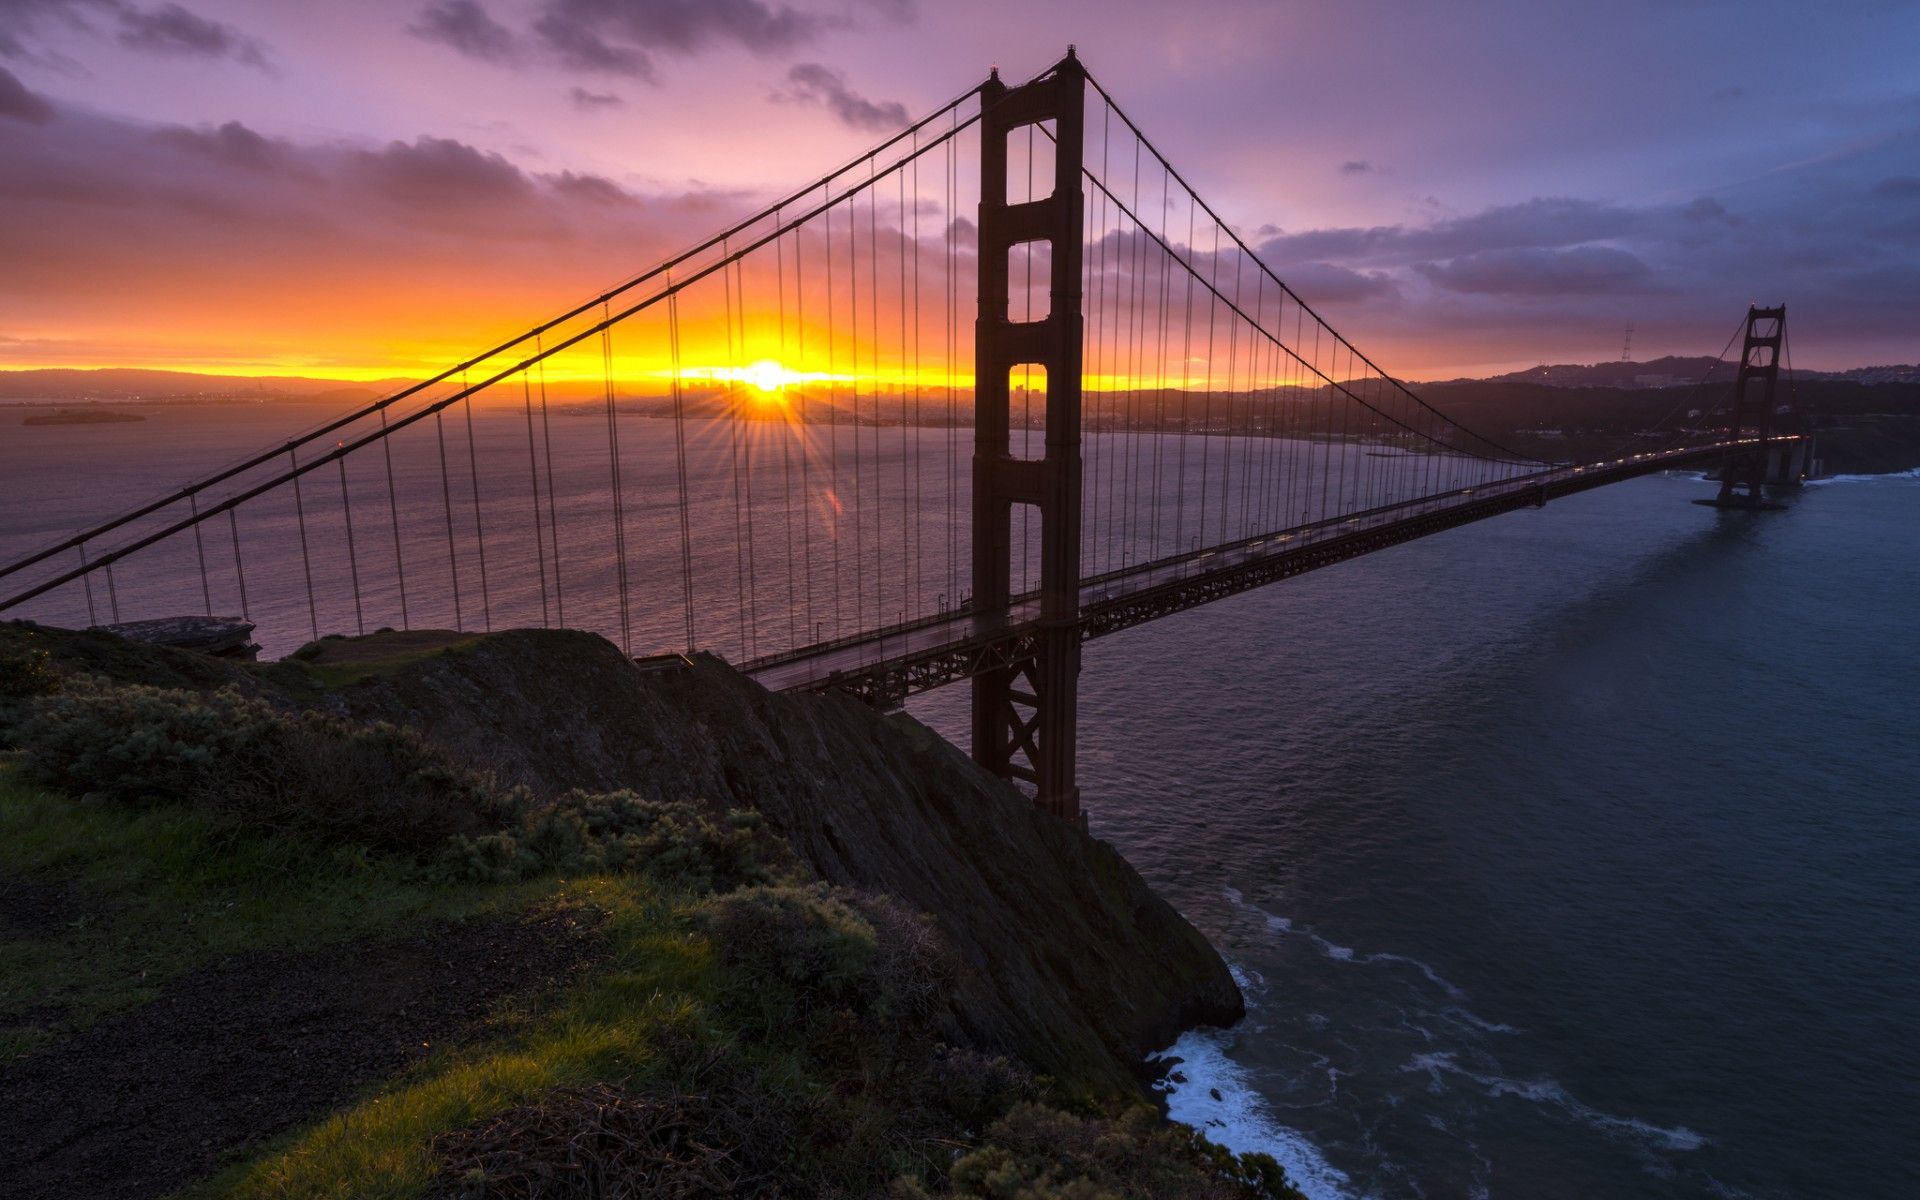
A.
x: 1002, y: 384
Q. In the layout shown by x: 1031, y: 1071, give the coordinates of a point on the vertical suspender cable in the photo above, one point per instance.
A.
x: 446, y: 497
x: 533, y: 481
x: 200, y: 552
x: 479, y: 534
x: 1160, y: 374
x: 731, y: 414
x: 746, y: 462
x: 239, y: 568
x: 785, y: 429
x: 353, y: 555
x: 873, y: 303
x: 86, y: 578
x: 680, y: 451
x: 853, y: 348
x: 833, y: 426
x: 803, y: 430
x: 619, y: 493
x: 393, y: 507
x: 952, y: 344
x: 553, y: 516
x: 906, y: 426
x: 306, y: 560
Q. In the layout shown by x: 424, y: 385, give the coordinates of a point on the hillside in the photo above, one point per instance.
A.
x: 767, y: 945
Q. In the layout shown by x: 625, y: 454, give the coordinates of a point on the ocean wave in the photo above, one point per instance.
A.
x: 1213, y: 1095
x: 1340, y: 953
x: 1549, y: 1093
x: 1913, y: 474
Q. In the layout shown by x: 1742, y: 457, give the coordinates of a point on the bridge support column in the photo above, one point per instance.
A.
x: 1024, y: 715
x: 1745, y: 473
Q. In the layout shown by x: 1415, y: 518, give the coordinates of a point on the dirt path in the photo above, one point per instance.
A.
x: 146, y: 1103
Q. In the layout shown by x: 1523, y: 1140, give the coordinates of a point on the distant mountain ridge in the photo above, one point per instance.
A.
x: 125, y: 383
x: 1673, y: 371
x: 134, y: 385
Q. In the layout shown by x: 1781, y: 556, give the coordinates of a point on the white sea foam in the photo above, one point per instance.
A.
x: 1214, y: 1096
x: 1913, y: 474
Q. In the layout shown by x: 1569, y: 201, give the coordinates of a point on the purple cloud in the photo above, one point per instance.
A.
x: 441, y: 171
x: 171, y: 29
x: 587, y: 101
x: 813, y: 83
x: 466, y: 26
x: 19, y: 104
x: 1581, y: 271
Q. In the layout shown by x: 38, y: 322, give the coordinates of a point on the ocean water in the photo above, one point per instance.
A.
x: 1573, y: 853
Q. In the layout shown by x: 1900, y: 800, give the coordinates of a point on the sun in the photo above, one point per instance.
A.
x: 767, y: 376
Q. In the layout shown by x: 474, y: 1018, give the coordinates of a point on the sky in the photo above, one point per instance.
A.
x: 370, y: 188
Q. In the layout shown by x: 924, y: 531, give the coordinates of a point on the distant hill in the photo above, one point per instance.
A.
x: 125, y: 383
x: 1673, y: 372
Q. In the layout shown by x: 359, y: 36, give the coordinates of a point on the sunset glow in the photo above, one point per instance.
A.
x: 345, y: 193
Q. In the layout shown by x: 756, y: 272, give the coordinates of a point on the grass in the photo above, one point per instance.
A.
x: 608, y: 1026
x: 163, y: 891
x: 341, y: 662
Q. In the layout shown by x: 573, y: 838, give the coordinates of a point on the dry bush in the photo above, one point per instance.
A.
x: 1039, y: 1153
x: 605, y: 1143
x: 681, y: 842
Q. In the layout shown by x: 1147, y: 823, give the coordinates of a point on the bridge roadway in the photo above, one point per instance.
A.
x: 884, y: 666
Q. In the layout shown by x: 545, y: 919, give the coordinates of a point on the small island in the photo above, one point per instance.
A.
x: 82, y: 416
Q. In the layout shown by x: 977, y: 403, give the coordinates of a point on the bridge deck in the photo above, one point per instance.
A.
x: 884, y: 666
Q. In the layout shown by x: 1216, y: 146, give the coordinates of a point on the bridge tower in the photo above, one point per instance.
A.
x: 1024, y: 714
x: 1745, y: 473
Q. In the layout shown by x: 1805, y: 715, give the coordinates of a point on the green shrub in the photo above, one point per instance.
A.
x: 27, y: 673
x: 838, y: 962
x: 379, y: 785
x: 679, y: 842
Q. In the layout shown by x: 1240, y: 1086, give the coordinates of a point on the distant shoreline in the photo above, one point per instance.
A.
x: 82, y: 416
